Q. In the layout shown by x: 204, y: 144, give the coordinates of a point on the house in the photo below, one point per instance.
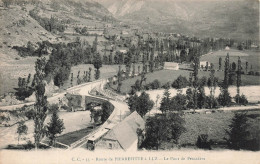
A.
x: 227, y: 48
x: 124, y: 51
x: 203, y: 64
x: 123, y: 136
x: 171, y: 66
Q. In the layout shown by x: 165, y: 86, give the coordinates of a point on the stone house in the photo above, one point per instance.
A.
x: 123, y: 136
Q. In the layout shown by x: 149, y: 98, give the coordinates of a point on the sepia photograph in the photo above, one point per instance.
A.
x: 129, y: 81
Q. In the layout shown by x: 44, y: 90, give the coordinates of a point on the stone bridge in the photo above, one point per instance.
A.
x: 82, y: 89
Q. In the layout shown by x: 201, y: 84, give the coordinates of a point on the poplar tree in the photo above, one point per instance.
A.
x: 119, y: 79
x: 238, y: 78
x: 224, y: 97
x: 40, y: 105
x: 219, y: 63
x: 195, y: 81
x: 89, y: 74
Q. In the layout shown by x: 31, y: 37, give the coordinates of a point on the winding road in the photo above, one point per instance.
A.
x: 72, y: 120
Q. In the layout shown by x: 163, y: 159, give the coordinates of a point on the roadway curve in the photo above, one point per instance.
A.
x: 8, y: 134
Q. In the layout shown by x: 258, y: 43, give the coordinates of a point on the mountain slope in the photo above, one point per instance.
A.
x: 17, y: 26
x: 222, y: 18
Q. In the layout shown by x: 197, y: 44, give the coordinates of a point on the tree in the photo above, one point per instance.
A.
x: 224, y: 98
x: 166, y: 101
x: 179, y: 102
x: 238, y: 132
x: 40, y: 105
x: 195, y: 80
x: 141, y: 104
x: 226, y: 73
x: 238, y: 78
x: 89, y: 74
x: 132, y: 102
x: 155, y: 84
x: 97, y: 64
x: 21, y: 129
x: 180, y: 82
x: 183, y: 55
x: 241, y: 99
x: 207, y: 66
x: 246, y: 67
x: 71, y: 80
x: 107, y: 109
x: 202, y: 142
x: 54, y: 127
x: 233, y: 66
x: 119, y: 79
x: 95, y: 43
x: 212, y: 84
x: 201, y: 97
x: 163, y: 131
x: 28, y: 80
x: 133, y: 71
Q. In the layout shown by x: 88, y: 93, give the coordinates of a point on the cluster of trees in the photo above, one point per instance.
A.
x: 224, y: 98
x: 58, y: 67
x: 41, y: 107
x: 64, y: 56
x: 162, y: 131
x: 30, y: 50
x: 238, y: 135
x: 86, y: 77
x: 141, y: 104
x: 81, y: 30
x: 102, y: 114
x: 245, y: 45
x: 25, y: 89
x: 50, y: 24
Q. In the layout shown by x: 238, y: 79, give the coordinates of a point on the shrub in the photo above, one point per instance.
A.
x: 211, y: 102
x: 179, y: 102
x: 155, y: 84
x: 29, y: 114
x: 53, y: 107
x: 203, y: 81
x: 180, y: 82
x: 224, y: 98
x: 166, y: 85
x: 241, y: 99
x: 202, y: 142
x: 107, y: 109
x: 251, y: 73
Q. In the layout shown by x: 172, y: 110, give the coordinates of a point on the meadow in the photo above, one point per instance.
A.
x: 165, y: 76
x: 252, y: 57
x: 215, y: 126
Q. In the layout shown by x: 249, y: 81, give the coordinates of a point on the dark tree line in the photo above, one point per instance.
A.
x: 50, y: 24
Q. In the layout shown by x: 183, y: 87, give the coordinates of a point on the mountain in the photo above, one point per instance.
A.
x: 18, y: 26
x: 222, y: 18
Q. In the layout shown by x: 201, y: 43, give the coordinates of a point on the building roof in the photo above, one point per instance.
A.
x: 170, y: 64
x: 98, y: 135
x: 125, y: 131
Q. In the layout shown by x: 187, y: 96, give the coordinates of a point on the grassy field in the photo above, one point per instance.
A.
x: 165, y: 76
x: 252, y: 57
x: 9, y: 73
x: 214, y: 125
